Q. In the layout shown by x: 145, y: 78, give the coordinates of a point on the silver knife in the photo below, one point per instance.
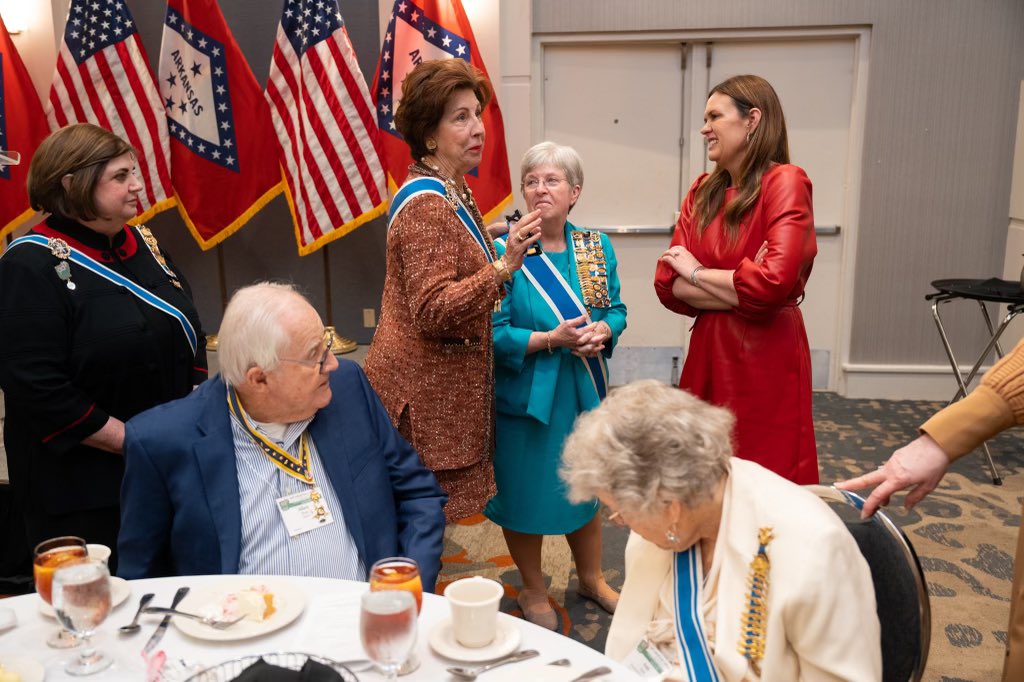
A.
x: 162, y: 628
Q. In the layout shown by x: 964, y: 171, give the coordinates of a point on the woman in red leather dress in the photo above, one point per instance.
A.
x: 739, y: 260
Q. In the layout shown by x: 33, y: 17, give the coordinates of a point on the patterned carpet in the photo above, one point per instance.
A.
x: 964, y: 532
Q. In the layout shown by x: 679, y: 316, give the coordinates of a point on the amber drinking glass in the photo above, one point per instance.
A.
x: 398, y: 573
x: 47, y: 557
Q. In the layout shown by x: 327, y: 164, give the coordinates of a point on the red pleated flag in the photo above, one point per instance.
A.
x: 22, y: 128
x: 224, y: 152
x: 103, y: 77
x: 437, y: 29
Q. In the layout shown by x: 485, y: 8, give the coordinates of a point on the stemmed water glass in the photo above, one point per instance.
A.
x: 81, y: 600
x: 399, y: 573
x: 387, y: 628
x: 47, y: 557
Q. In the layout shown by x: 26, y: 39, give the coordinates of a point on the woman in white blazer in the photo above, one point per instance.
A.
x: 732, y: 572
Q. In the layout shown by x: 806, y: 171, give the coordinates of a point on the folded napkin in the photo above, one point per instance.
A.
x: 261, y: 671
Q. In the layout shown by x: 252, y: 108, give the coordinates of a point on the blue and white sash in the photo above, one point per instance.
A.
x: 414, y: 188
x: 566, y: 305
x: 106, y: 273
x: 696, y: 659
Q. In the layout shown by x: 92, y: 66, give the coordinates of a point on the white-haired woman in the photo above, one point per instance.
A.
x: 732, y: 572
x: 560, y: 319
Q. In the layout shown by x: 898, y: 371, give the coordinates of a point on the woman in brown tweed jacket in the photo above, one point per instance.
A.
x: 432, y: 357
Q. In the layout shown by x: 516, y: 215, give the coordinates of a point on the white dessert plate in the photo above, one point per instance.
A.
x: 120, y: 590
x: 289, y: 601
x: 443, y: 642
x: 29, y: 669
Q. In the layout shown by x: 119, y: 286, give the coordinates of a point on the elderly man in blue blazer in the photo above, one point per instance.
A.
x: 286, y: 463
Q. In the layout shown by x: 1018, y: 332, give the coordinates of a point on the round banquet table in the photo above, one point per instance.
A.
x: 328, y: 626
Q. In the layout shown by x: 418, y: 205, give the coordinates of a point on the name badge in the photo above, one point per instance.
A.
x: 304, y: 511
x: 647, y: 661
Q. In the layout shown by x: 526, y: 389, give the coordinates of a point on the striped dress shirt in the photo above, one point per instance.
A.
x: 327, y: 552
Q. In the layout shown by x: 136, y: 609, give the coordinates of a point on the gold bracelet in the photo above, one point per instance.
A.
x: 547, y: 340
x: 502, y: 269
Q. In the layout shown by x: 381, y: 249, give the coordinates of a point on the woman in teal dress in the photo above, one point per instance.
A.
x: 560, y: 320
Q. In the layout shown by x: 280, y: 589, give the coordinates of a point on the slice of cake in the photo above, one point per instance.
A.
x: 256, y: 603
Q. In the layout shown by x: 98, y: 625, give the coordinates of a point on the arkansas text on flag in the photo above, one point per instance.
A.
x: 437, y: 29
x: 324, y: 119
x: 22, y: 128
x: 224, y: 152
x: 103, y: 77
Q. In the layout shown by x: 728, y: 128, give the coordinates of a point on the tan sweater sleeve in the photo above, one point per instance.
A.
x: 996, y: 405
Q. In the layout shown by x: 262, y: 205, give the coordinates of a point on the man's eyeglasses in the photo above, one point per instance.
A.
x: 319, y: 364
x: 550, y: 183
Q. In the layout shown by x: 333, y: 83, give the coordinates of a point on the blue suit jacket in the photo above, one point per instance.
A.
x: 180, y: 508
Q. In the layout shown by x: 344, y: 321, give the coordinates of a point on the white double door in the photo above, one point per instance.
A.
x: 634, y: 112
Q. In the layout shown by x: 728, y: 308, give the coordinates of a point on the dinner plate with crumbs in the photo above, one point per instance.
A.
x: 120, y: 590
x: 267, y: 604
x: 21, y: 668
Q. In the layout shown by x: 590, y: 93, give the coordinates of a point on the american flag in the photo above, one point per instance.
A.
x: 103, y: 77
x: 323, y: 116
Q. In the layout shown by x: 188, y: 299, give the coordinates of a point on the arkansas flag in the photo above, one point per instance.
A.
x: 437, y: 29
x: 22, y: 127
x: 103, y: 77
x: 224, y: 153
x: 334, y: 179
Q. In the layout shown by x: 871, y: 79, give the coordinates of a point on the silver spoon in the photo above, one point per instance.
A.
x: 561, y: 661
x: 590, y: 674
x: 471, y: 673
x: 134, y: 625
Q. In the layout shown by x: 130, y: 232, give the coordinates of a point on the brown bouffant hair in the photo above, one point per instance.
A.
x: 768, y: 144
x: 81, y: 151
x: 425, y: 92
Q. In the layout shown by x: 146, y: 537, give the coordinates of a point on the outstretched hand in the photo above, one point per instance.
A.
x: 919, y: 466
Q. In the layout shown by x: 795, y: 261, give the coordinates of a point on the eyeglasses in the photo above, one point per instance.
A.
x: 328, y: 343
x: 550, y: 182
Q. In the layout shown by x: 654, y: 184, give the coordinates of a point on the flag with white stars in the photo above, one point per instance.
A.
x: 103, y: 77
x: 224, y: 153
x: 421, y: 30
x: 334, y: 177
x: 22, y: 128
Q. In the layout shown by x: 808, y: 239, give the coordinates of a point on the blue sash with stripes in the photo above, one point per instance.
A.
x: 106, y: 273
x: 414, y: 188
x: 696, y: 657
x: 566, y: 305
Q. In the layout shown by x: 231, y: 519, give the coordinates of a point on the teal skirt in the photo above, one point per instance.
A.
x: 531, y: 497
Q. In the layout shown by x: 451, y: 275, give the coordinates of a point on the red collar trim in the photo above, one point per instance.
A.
x: 125, y: 249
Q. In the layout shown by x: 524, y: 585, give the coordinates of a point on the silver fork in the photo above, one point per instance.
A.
x: 208, y: 621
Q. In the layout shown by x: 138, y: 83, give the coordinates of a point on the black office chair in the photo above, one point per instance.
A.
x: 901, y: 593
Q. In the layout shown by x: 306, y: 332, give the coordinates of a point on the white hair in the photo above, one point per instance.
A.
x: 648, y: 441
x: 560, y: 156
x: 251, y: 333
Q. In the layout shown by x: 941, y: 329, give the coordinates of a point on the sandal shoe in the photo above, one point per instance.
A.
x: 537, y: 614
x: 606, y: 603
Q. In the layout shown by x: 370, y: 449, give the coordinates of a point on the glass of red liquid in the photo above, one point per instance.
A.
x: 48, y: 556
x: 403, y: 574
x: 81, y: 600
x: 387, y: 628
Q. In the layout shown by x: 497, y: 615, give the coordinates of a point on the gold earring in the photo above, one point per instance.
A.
x: 431, y: 145
x: 748, y: 137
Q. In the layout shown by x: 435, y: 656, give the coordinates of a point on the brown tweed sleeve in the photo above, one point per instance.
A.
x: 996, y: 405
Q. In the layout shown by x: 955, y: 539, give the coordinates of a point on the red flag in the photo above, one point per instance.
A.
x: 224, y: 152
x: 334, y: 178
x: 22, y: 128
x: 437, y: 29
x: 103, y: 77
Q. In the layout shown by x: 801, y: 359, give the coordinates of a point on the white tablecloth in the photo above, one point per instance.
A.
x: 327, y: 627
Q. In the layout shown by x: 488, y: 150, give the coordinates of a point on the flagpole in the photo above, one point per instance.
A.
x: 211, y: 339
x: 340, y: 344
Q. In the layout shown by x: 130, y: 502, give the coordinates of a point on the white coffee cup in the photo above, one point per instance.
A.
x: 474, y: 604
x: 98, y: 552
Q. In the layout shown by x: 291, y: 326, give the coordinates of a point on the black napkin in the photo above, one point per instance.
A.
x: 261, y: 671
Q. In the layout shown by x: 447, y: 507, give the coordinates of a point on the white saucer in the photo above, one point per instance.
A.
x: 442, y: 641
x: 119, y: 592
